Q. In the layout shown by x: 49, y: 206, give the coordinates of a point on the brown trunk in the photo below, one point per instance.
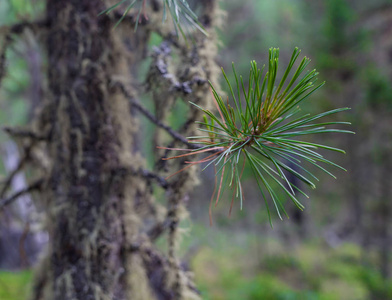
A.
x: 102, y: 219
x: 385, y: 214
x: 91, y: 215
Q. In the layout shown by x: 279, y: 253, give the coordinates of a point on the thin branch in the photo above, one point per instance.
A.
x: 36, y: 185
x: 18, y: 28
x: 124, y: 171
x: 169, y: 222
x: 151, y: 175
x: 158, y: 229
x: 16, y: 132
x: 11, y: 176
x: 24, y: 133
x: 137, y: 105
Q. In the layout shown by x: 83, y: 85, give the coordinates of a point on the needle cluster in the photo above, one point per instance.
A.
x: 179, y: 10
x: 262, y: 126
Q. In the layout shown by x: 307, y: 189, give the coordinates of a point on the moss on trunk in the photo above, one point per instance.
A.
x: 92, y: 219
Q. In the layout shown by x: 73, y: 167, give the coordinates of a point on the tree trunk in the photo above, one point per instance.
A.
x: 98, y: 198
x: 92, y: 220
x: 385, y: 215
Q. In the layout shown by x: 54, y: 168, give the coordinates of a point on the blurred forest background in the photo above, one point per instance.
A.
x: 340, y: 246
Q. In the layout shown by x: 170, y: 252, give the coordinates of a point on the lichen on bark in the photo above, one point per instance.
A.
x: 90, y: 223
x: 100, y: 208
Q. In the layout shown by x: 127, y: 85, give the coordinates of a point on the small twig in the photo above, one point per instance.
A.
x: 25, y: 159
x: 24, y: 133
x: 36, y: 185
x: 158, y: 229
x: 11, y: 176
x: 123, y: 171
x: 137, y: 105
x: 18, y: 28
x: 151, y: 175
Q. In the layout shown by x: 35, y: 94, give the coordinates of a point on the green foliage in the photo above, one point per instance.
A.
x: 378, y: 89
x: 379, y: 287
x: 265, y: 287
x: 13, y: 108
x: 232, y: 269
x: 13, y: 10
x: 227, y: 270
x: 15, y: 286
x: 336, y: 64
x: 339, y: 17
x: 126, y: 11
x: 263, y: 129
x: 181, y: 12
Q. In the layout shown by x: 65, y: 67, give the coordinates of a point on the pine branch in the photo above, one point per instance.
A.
x: 180, y: 12
x: 129, y: 19
x: 262, y: 127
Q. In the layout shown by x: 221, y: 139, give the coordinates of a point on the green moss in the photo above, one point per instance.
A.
x: 262, y: 287
x: 349, y: 252
x: 377, y: 286
x: 233, y: 269
x: 378, y: 88
x: 15, y: 285
x: 312, y: 257
x: 340, y: 289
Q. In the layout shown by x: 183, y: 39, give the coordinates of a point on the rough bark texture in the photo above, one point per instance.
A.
x: 99, y: 207
x: 90, y: 213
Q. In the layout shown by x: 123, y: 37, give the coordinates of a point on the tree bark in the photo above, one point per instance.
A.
x: 101, y: 215
x: 92, y: 220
